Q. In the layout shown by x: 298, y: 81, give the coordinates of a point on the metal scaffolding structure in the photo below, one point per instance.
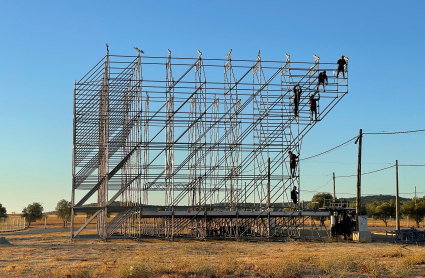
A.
x: 189, y: 157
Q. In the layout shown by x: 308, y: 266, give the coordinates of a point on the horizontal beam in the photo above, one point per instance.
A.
x: 233, y: 214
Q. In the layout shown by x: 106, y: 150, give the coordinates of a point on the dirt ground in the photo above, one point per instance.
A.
x: 40, y: 252
x: 49, y: 253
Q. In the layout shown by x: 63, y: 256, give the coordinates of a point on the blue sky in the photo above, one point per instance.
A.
x: 45, y: 46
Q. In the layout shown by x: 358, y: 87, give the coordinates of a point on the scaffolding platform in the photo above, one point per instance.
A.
x: 199, y: 133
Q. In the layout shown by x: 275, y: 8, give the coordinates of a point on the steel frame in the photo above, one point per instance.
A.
x: 223, y: 162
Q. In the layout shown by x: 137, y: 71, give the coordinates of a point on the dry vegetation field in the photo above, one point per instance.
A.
x: 54, y: 222
x: 40, y: 253
x: 53, y: 255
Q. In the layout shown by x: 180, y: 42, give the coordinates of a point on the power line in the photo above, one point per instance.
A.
x: 331, y: 149
x: 395, y: 132
x: 369, y: 133
x: 366, y: 172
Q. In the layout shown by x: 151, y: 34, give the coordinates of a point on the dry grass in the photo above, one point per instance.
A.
x: 53, y: 255
x: 54, y: 222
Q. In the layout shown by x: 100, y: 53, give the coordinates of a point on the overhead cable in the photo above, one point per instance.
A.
x: 330, y: 149
x: 366, y: 173
x: 395, y: 132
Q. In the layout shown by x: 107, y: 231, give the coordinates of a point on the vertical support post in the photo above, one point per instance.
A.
x: 169, y: 134
x: 268, y: 183
x: 73, y: 169
x: 245, y: 195
x: 359, y: 170
x: 237, y: 225
x: 103, y: 168
x: 333, y: 176
x: 397, y: 201
x: 416, y: 208
x: 268, y: 221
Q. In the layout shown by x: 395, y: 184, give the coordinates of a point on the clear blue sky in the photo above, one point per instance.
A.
x: 45, y: 45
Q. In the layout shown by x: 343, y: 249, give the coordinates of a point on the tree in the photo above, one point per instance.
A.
x: 371, y: 208
x: 3, y: 211
x: 414, y: 211
x: 381, y: 210
x: 33, y: 212
x: 320, y: 198
x: 363, y: 209
x: 385, y: 211
x: 63, y: 211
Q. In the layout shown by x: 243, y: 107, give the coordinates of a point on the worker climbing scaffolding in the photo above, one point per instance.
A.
x: 293, y: 163
x: 294, y: 196
x: 313, y: 106
x: 297, y: 96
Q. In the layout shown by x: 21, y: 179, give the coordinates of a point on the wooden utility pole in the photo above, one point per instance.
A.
x: 397, y: 201
x: 268, y: 182
x: 333, y: 176
x: 416, y: 207
x: 359, y: 175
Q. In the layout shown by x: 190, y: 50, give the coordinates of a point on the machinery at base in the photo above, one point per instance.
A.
x: 342, y: 215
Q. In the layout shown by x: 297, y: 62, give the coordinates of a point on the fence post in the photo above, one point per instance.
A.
x: 407, y: 221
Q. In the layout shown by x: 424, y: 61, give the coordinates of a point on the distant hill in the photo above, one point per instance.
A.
x: 371, y: 199
x: 365, y: 200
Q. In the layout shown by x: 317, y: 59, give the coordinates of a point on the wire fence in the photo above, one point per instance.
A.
x: 9, y: 224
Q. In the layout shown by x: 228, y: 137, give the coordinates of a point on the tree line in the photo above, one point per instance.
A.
x: 34, y: 212
x: 382, y: 210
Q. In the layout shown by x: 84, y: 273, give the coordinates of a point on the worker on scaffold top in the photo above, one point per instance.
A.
x: 313, y: 106
x: 294, y: 196
x: 292, y: 163
x: 341, y: 63
x: 322, y: 77
x: 297, y: 96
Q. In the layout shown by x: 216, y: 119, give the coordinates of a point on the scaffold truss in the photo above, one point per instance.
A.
x: 200, y: 150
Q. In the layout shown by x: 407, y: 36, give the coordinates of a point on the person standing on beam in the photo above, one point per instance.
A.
x: 322, y: 77
x: 341, y: 63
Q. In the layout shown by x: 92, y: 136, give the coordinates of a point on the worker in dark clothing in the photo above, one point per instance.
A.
x: 292, y: 163
x: 341, y: 63
x: 322, y: 78
x: 294, y: 196
x: 297, y: 96
x: 313, y: 106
